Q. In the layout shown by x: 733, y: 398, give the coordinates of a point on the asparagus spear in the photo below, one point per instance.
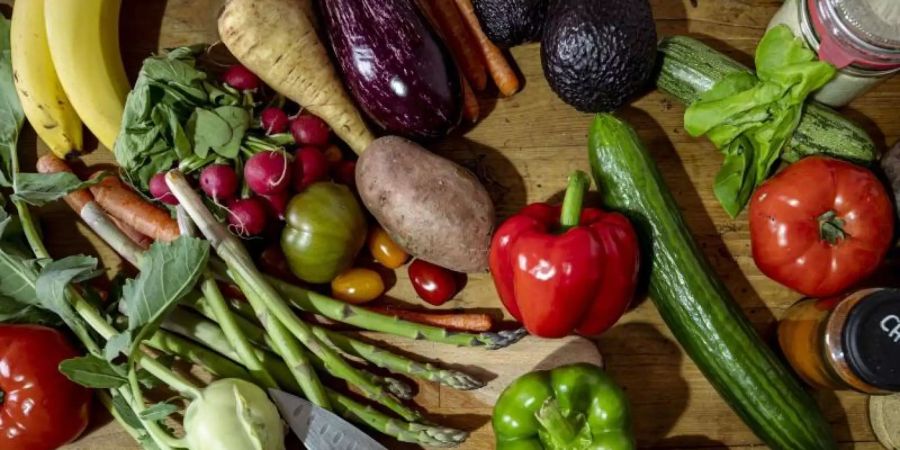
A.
x: 269, y: 301
x: 378, y: 356
x: 220, y: 365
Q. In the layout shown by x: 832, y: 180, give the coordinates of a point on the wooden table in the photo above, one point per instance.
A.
x: 525, y: 148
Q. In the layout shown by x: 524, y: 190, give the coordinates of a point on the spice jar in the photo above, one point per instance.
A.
x: 846, y: 343
x: 859, y: 37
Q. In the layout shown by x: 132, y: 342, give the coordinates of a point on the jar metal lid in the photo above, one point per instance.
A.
x: 871, y: 339
x: 875, y: 21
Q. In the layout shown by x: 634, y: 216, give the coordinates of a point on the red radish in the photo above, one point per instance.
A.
x: 345, y: 173
x: 247, y: 216
x: 274, y: 120
x: 219, y: 182
x: 160, y: 190
x: 310, y: 130
x: 310, y: 166
x: 241, y: 78
x: 276, y: 204
x: 267, y: 173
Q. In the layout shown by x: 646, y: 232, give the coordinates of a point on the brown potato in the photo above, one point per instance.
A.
x: 435, y: 209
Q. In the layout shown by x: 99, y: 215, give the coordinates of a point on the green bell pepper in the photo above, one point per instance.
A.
x: 325, y: 231
x: 573, y: 407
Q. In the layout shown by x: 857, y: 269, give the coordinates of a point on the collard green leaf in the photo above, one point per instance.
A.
x: 158, y: 411
x: 39, y: 189
x: 169, y: 271
x: 93, y: 372
x: 11, y: 115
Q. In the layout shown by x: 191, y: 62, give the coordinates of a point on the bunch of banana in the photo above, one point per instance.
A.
x: 67, y: 66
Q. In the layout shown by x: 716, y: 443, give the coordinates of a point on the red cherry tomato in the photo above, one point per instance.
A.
x: 434, y: 284
x: 40, y: 409
x: 820, y: 226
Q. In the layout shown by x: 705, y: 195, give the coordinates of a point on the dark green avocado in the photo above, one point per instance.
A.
x: 598, y: 53
x: 509, y: 23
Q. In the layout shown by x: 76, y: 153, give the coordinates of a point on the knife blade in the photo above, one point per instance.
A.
x: 318, y: 428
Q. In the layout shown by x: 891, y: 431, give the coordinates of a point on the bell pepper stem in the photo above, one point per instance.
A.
x: 554, y: 423
x: 574, y: 200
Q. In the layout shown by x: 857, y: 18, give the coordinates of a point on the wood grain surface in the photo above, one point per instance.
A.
x: 524, y: 149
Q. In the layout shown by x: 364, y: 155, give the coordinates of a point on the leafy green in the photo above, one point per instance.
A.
x: 174, y: 113
x: 11, y: 115
x: 169, y: 272
x: 158, y: 411
x: 750, y: 117
x: 93, y: 372
x: 51, y: 284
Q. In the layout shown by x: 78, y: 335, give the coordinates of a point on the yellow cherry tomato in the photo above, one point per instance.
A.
x: 385, y: 250
x: 357, y: 286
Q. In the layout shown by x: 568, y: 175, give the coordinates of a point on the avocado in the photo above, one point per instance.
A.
x: 598, y: 53
x: 508, y: 23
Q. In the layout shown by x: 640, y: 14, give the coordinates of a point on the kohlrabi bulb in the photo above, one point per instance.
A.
x: 233, y: 414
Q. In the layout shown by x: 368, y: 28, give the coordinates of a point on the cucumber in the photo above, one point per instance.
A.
x: 694, y: 302
x: 689, y: 68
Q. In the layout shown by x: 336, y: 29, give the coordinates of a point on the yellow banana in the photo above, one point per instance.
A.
x: 84, y: 43
x: 43, y: 99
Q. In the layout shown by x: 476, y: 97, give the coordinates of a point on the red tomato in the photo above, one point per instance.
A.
x: 820, y: 226
x: 40, y: 409
x: 434, y: 284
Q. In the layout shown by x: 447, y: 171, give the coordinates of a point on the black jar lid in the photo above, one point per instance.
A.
x: 872, y: 339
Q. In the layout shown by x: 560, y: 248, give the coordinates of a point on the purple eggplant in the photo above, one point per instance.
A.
x: 395, y: 66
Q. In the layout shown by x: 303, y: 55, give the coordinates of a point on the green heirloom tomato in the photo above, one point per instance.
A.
x: 324, y: 232
x: 573, y: 407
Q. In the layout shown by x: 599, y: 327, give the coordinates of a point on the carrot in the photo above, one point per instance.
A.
x: 468, y: 322
x: 463, y: 45
x: 124, y: 204
x: 471, y: 109
x: 277, y: 40
x: 504, y: 76
x: 77, y: 200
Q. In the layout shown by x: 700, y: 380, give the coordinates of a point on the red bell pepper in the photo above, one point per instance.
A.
x: 561, y: 269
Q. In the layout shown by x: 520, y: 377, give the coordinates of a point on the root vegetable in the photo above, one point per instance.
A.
x: 435, y: 209
x: 127, y: 206
x: 218, y: 181
x: 268, y: 173
x: 241, y: 78
x: 274, y: 120
x: 160, y: 191
x: 310, y: 166
x: 247, y: 216
x: 278, y: 41
x: 310, y: 130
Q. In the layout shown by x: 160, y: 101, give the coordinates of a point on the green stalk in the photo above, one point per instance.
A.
x: 233, y: 333
x: 573, y: 203
x: 217, y: 362
x: 187, y: 323
x: 376, y: 355
x: 363, y: 318
x: 255, y: 287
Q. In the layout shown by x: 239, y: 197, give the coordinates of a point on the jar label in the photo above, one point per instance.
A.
x: 891, y: 325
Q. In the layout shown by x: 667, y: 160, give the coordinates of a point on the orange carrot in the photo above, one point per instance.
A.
x: 129, y: 207
x: 458, y: 37
x: 468, y: 322
x: 471, y: 109
x: 504, y: 76
x: 78, y: 199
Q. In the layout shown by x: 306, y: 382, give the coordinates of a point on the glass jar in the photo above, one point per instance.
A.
x: 846, y: 343
x: 859, y: 37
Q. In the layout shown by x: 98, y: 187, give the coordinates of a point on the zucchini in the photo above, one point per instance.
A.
x: 694, y: 302
x: 689, y: 68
